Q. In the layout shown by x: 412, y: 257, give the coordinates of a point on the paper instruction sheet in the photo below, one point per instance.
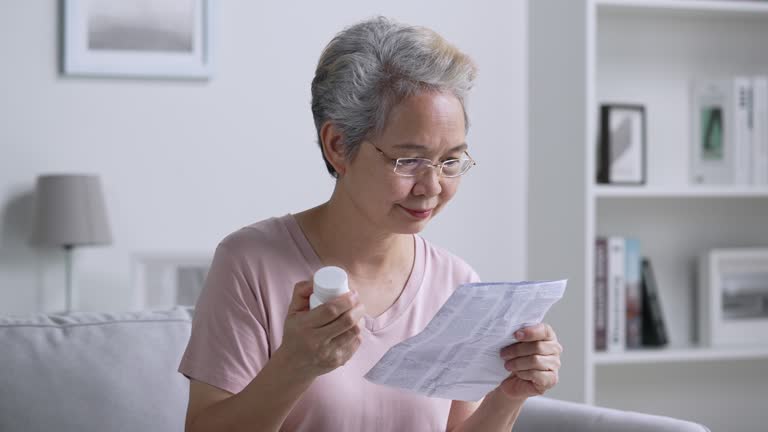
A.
x: 457, y: 356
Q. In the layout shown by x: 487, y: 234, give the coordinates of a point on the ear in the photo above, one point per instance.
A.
x: 333, y: 149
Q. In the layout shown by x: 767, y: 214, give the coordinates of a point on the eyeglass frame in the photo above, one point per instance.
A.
x: 396, y: 161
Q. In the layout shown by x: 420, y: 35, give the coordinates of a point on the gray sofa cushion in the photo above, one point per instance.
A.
x: 545, y: 414
x: 93, y: 372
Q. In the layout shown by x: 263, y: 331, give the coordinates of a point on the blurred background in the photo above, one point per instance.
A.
x: 183, y: 162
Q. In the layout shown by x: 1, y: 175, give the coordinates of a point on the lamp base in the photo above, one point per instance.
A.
x: 68, y: 252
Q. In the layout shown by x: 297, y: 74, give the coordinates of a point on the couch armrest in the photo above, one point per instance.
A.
x: 546, y: 414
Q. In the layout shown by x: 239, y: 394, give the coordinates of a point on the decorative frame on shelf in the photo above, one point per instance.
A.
x: 621, y: 157
x: 139, y: 38
x: 712, y: 146
x: 166, y: 280
x: 733, y: 301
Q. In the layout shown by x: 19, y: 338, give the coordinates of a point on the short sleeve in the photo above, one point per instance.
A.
x: 473, y: 276
x: 229, y: 343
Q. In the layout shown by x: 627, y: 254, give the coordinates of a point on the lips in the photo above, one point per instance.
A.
x: 418, y: 213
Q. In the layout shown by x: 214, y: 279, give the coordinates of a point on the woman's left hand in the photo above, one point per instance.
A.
x: 533, y: 362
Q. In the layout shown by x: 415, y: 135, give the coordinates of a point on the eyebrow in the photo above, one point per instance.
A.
x: 412, y: 146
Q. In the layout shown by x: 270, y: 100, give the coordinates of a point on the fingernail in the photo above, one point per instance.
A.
x: 519, y: 335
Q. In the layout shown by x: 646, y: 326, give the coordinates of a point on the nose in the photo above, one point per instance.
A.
x: 428, y: 183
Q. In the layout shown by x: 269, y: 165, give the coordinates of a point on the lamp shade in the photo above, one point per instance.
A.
x: 70, y: 211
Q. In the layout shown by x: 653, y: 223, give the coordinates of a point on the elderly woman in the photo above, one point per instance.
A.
x: 388, y: 103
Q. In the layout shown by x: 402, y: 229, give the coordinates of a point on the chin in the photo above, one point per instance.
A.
x: 412, y: 228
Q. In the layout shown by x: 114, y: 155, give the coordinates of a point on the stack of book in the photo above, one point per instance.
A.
x: 627, y: 308
x: 730, y: 131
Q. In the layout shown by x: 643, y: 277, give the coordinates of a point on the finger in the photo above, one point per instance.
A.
x: 536, y: 332
x: 300, y: 298
x: 331, y: 310
x: 543, y: 380
x: 533, y: 362
x: 350, y: 338
x: 529, y: 348
x: 346, y: 321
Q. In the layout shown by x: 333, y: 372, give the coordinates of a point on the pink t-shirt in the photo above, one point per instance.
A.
x: 238, y: 324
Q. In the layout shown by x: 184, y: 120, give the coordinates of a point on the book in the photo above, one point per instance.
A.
x: 601, y: 293
x: 616, y: 298
x: 634, y: 305
x: 742, y: 130
x: 760, y: 130
x: 654, y: 329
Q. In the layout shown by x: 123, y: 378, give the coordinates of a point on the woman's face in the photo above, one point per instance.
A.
x: 428, y: 125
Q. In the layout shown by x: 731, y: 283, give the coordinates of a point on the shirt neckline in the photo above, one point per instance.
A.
x: 401, y: 304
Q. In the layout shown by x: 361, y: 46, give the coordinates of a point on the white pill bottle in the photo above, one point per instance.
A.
x: 329, y: 283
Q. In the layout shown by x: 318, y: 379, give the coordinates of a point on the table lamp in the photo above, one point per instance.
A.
x: 70, y: 212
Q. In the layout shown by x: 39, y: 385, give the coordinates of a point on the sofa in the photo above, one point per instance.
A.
x: 102, y: 372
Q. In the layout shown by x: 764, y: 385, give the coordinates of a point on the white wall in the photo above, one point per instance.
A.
x: 185, y: 163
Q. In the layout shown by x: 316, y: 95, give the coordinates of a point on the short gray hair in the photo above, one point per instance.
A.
x: 372, y: 66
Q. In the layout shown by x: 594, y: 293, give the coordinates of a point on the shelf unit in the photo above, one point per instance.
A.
x: 586, y: 52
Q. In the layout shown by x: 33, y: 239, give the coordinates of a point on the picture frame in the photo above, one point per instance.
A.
x: 733, y: 297
x: 621, y: 157
x: 137, y: 39
x: 163, y: 280
x: 720, y: 112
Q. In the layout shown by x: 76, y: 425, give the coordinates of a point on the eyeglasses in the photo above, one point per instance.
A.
x: 411, y: 167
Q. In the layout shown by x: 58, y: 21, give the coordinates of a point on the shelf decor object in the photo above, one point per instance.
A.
x: 621, y: 154
x: 163, y: 280
x: 733, y: 302
x: 70, y: 212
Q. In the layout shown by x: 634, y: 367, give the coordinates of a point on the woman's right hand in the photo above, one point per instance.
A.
x: 320, y: 340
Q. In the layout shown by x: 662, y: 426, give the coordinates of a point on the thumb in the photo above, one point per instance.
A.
x: 300, y: 298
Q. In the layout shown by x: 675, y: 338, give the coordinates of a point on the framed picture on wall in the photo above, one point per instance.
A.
x: 621, y: 155
x: 165, y: 280
x: 137, y: 38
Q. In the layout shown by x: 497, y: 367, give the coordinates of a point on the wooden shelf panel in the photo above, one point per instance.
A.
x: 682, y: 354
x: 611, y: 191
x: 701, y: 6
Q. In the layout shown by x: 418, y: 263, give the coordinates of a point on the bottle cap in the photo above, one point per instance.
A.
x: 330, y: 282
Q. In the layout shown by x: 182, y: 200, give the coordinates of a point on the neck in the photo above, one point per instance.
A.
x: 343, y: 236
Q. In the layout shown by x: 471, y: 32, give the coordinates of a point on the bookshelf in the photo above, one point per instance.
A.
x: 586, y: 52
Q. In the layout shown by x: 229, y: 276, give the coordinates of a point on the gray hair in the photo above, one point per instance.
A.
x: 372, y: 66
